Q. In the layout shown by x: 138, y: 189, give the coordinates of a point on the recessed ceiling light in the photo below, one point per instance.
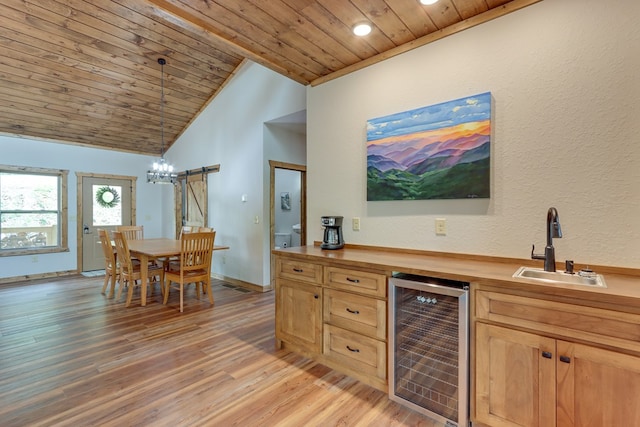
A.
x: 428, y: 2
x: 362, y: 29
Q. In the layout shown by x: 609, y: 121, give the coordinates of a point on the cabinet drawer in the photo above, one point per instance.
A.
x: 592, y: 324
x: 355, y: 352
x: 299, y: 270
x: 357, y: 313
x: 356, y: 281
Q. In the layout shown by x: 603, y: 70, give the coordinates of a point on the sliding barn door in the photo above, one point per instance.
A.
x: 191, y: 201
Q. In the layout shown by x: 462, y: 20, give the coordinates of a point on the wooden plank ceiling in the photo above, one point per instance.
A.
x: 86, y: 72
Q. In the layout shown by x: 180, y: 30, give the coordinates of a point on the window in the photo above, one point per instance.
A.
x: 33, y: 210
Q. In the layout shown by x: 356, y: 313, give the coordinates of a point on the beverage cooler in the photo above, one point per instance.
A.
x: 429, y: 347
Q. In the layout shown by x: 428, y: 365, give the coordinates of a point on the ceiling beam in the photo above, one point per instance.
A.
x: 195, y: 21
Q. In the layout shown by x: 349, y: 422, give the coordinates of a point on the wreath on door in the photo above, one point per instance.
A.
x: 107, y: 197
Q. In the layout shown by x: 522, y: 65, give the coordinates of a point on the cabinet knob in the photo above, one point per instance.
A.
x: 316, y: 296
x: 547, y: 354
x: 565, y: 359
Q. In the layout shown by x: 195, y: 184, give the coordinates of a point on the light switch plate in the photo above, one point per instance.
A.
x: 355, y: 224
x: 441, y: 227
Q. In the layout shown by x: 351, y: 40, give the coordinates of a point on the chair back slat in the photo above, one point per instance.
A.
x: 196, y: 251
x: 107, y: 248
x: 132, y: 232
x: 122, y: 248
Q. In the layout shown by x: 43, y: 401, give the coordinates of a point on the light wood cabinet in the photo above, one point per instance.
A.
x: 515, y: 385
x: 299, y: 305
x: 362, y: 314
x: 597, y: 387
x: 362, y: 282
x: 299, y: 315
x: 355, y: 333
x: 335, y: 315
x: 544, y: 363
x: 360, y: 356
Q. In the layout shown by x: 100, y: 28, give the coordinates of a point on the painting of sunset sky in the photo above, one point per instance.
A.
x: 437, y: 152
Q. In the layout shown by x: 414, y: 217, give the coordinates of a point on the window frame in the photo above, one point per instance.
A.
x: 62, y: 176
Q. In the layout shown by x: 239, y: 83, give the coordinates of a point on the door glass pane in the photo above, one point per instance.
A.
x: 107, y: 206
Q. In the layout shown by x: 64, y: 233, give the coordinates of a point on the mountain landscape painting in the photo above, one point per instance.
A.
x: 437, y: 152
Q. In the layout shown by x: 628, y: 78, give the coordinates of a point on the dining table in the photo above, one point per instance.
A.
x: 151, y: 249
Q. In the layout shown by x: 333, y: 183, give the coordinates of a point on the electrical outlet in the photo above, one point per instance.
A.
x: 441, y: 227
x: 355, y: 223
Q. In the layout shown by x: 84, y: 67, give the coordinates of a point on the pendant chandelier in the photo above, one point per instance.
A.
x: 162, y: 172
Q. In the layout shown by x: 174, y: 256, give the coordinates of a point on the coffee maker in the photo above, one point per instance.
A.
x: 332, y: 232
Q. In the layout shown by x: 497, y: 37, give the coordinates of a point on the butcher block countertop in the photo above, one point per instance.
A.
x: 623, y: 284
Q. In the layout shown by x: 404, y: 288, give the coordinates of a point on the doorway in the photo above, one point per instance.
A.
x: 288, y: 205
x: 104, y: 201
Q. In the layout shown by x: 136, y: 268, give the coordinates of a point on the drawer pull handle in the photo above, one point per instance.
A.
x: 354, y: 350
x: 352, y: 311
x: 298, y: 270
x: 565, y: 359
x: 547, y: 354
x: 349, y: 279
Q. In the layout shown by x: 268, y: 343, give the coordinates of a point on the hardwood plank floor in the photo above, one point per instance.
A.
x: 70, y: 356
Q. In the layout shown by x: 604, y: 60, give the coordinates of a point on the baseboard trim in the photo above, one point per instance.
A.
x: 37, y: 276
x: 243, y: 284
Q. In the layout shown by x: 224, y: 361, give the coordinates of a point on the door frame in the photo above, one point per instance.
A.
x: 273, y: 165
x: 80, y: 221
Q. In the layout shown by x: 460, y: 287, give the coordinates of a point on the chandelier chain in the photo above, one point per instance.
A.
x: 162, y: 62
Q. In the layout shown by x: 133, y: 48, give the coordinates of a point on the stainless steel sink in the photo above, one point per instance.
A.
x: 587, y: 279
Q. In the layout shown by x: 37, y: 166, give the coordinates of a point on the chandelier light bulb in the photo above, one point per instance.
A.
x: 428, y: 2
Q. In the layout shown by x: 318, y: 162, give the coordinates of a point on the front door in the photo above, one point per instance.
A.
x: 106, y: 203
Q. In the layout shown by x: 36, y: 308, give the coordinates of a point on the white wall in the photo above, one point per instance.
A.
x: 230, y: 131
x: 77, y: 159
x: 563, y: 75
x: 287, y: 143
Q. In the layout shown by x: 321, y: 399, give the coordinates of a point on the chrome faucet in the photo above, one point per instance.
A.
x: 553, y: 230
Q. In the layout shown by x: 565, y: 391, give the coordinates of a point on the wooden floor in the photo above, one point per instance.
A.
x: 69, y: 356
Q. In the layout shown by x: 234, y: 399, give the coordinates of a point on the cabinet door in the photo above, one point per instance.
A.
x: 515, y: 378
x: 299, y: 315
x: 597, y: 387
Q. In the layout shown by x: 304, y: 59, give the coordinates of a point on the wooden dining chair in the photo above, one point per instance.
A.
x: 130, y: 270
x: 174, y: 259
x: 111, y: 268
x: 184, y: 230
x: 196, y: 250
x: 132, y: 232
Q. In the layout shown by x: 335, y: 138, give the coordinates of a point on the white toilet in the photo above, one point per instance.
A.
x: 282, y: 240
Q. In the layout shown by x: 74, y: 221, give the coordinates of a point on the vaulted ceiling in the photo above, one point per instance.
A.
x: 87, y: 72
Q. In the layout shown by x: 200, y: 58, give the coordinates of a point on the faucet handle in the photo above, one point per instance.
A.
x: 536, y: 256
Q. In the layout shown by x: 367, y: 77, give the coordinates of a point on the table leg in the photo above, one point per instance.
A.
x: 144, y: 278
